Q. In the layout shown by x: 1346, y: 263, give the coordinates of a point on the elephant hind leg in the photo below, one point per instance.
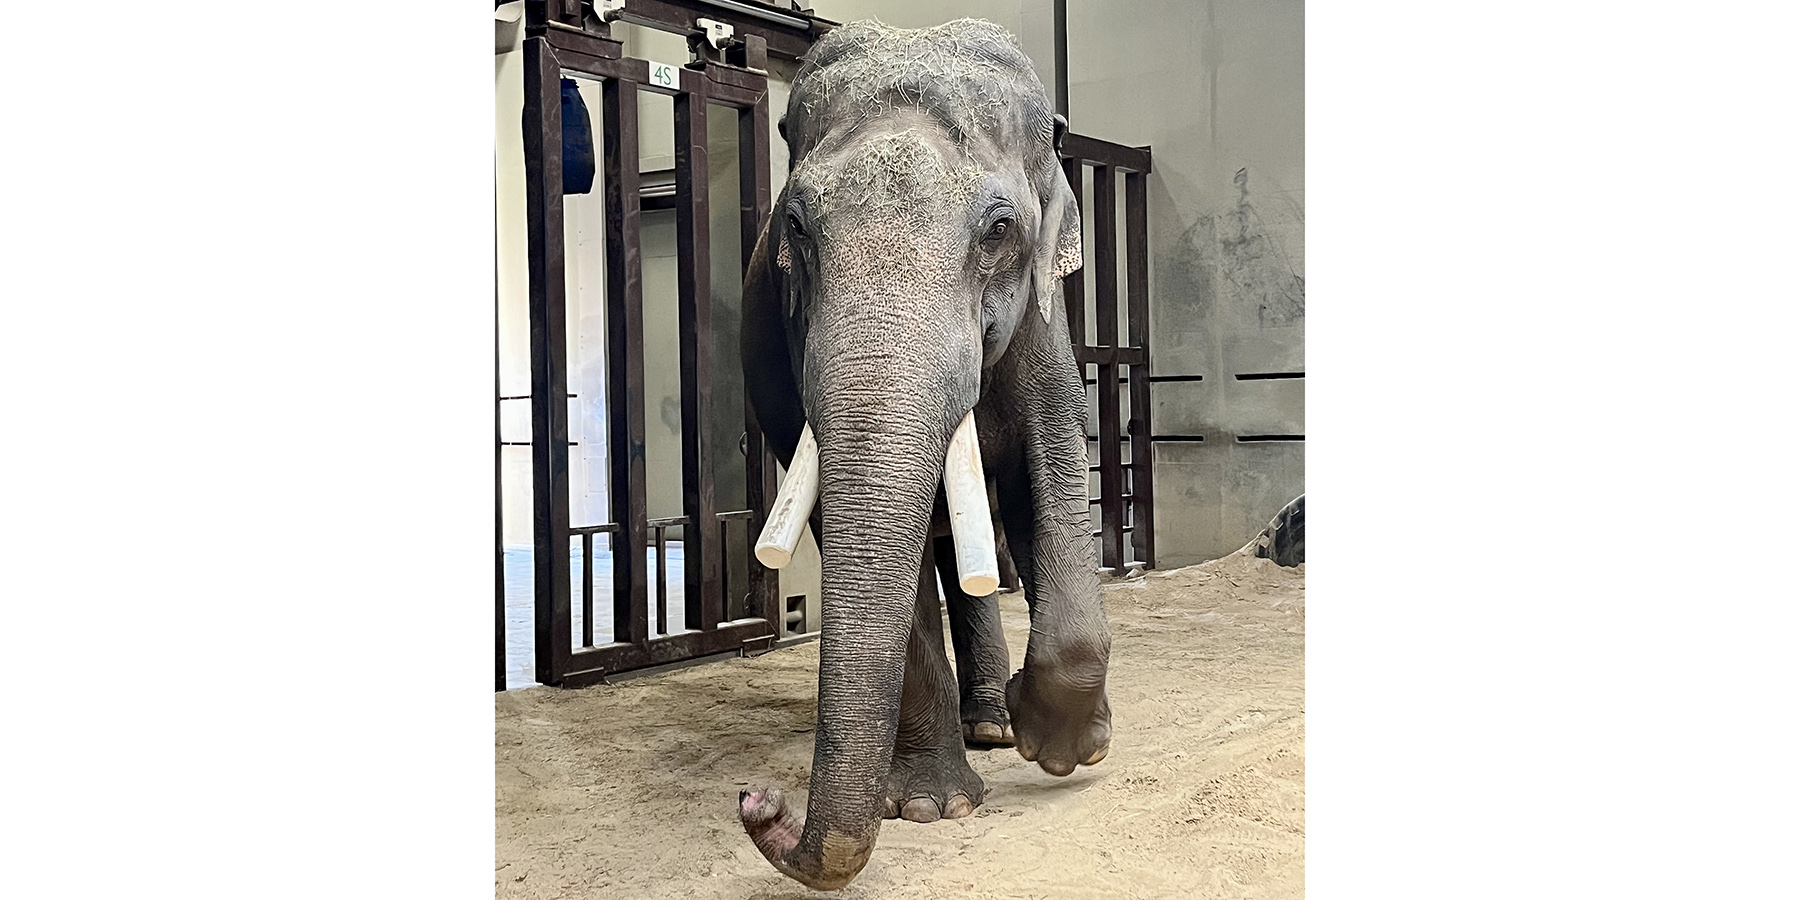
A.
x: 930, y: 778
x: 982, y: 666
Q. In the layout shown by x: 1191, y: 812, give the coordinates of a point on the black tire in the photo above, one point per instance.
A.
x: 1284, y: 538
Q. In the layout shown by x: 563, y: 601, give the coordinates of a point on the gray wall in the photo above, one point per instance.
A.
x: 1216, y: 87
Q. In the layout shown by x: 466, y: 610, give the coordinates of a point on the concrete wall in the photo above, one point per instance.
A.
x: 1216, y: 87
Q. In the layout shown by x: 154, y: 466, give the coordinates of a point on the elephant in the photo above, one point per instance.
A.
x: 908, y: 279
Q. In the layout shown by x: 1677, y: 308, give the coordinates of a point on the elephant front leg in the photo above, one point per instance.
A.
x: 930, y: 778
x: 1060, y: 714
x: 981, y: 662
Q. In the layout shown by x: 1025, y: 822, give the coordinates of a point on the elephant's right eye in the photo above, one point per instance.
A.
x: 795, y: 226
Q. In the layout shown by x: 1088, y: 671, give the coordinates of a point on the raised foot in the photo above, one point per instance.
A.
x: 1058, y: 724
x: 932, y: 785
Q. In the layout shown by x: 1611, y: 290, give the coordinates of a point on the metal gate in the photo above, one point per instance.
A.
x: 572, y: 38
x: 568, y: 40
x: 1125, y: 496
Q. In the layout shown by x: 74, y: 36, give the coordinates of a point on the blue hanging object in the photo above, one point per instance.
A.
x: 577, y: 141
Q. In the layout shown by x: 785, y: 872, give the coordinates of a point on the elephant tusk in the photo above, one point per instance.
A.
x: 971, y: 523
x: 793, y: 504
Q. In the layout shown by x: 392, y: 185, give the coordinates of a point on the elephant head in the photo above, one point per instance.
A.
x: 924, y: 218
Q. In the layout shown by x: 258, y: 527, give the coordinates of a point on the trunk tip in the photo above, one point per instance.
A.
x: 759, y: 807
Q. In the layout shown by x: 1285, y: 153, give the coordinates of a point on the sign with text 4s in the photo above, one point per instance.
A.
x: 664, y: 75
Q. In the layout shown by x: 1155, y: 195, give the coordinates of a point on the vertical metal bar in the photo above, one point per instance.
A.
x: 759, y: 463
x: 1106, y: 384
x: 1059, y: 24
x: 1137, y: 309
x: 1074, y: 288
x: 499, y: 520
x: 699, y: 552
x: 722, y: 609
x: 662, y: 581
x: 549, y: 365
x: 625, y: 360
x: 1106, y: 266
x: 587, y: 589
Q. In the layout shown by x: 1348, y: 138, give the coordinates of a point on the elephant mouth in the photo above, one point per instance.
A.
x: 965, y: 492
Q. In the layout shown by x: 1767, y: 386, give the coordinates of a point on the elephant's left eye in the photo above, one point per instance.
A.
x: 996, y: 232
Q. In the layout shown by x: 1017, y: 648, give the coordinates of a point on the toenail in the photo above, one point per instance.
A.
x: 920, y: 809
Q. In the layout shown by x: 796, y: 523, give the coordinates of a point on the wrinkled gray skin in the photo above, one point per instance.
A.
x: 910, y: 271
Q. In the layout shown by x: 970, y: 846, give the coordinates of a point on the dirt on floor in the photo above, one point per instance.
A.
x: 630, y: 790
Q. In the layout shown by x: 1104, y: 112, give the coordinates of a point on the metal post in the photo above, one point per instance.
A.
x: 625, y: 361
x: 753, y: 210
x: 1137, y: 319
x: 1059, y: 16
x: 549, y: 349
x: 700, y: 552
x: 1106, y: 382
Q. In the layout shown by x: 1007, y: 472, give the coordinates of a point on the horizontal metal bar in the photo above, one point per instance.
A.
x: 668, y: 522
x: 608, y: 528
x: 1124, y: 356
x: 590, y: 666
x: 1267, y: 376
x: 734, y: 515
x: 788, y: 35
x: 527, y: 397
x: 1094, y: 151
x: 1121, y: 465
x: 768, y: 15
x: 1158, y: 379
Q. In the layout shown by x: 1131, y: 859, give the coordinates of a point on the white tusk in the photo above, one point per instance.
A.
x: 793, y: 504
x: 971, y: 524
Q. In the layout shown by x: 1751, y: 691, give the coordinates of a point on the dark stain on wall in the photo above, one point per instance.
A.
x: 1256, y: 273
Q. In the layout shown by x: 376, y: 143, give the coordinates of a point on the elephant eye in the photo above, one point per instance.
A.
x: 796, y: 217
x: 996, y: 232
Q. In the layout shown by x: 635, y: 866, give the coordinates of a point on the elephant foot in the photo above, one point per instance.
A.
x: 985, y: 721
x: 1058, y: 724
x: 932, y: 785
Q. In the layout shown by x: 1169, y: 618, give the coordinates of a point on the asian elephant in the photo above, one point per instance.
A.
x: 909, y: 273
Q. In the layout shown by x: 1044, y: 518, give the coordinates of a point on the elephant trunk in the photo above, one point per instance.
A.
x: 882, y: 418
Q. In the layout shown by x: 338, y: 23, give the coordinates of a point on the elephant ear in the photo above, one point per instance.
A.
x: 1059, y: 244
x: 1059, y: 250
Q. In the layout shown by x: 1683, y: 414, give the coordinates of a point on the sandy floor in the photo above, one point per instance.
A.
x: 630, y: 790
